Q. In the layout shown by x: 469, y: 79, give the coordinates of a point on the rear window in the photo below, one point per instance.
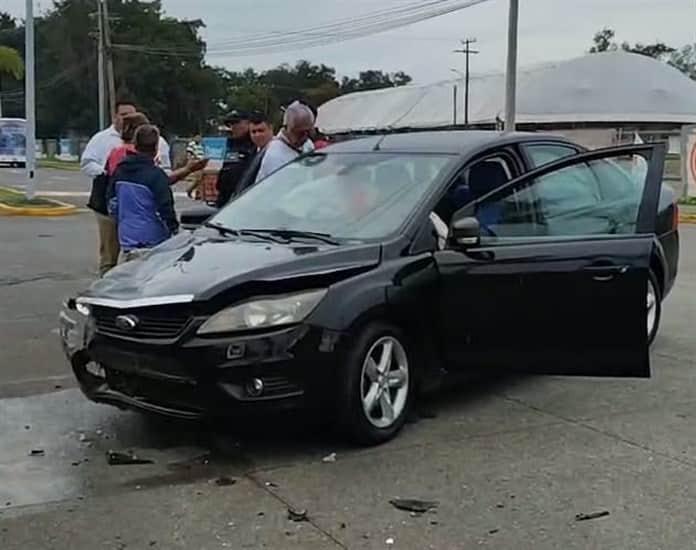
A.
x: 541, y: 153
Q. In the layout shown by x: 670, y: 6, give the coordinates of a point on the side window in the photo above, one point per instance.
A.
x: 472, y: 183
x: 540, y: 154
x: 595, y: 198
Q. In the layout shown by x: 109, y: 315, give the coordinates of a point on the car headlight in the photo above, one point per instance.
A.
x: 265, y: 312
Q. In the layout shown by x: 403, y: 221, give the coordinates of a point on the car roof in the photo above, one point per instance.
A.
x: 455, y: 142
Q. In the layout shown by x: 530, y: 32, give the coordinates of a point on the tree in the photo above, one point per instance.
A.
x: 374, y: 80
x: 658, y: 50
x: 604, y: 41
x: 684, y: 59
x: 11, y: 63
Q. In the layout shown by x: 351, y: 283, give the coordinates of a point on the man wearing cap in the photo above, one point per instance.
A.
x: 240, y: 151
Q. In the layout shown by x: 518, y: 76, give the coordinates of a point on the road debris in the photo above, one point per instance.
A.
x: 297, y: 515
x: 329, y: 458
x: 225, y: 481
x: 390, y: 541
x: 493, y: 531
x: 413, y: 505
x: 271, y: 485
x: 115, y: 458
x: 37, y: 452
x: 591, y: 515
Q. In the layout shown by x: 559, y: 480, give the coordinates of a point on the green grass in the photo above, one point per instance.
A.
x: 73, y: 166
x: 13, y: 198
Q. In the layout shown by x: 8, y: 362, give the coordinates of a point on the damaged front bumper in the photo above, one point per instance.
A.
x: 194, y: 377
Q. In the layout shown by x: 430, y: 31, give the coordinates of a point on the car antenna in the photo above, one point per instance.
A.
x: 377, y: 146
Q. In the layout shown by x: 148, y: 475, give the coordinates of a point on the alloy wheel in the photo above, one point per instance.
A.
x: 385, y: 382
x: 652, y: 307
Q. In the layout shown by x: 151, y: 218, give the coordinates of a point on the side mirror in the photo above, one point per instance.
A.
x: 466, y: 232
x: 194, y: 217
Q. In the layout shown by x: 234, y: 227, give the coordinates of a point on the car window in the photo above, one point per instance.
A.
x: 472, y: 183
x: 600, y: 197
x: 351, y: 196
x: 544, y: 153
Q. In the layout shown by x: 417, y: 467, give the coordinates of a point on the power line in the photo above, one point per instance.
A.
x: 359, y: 27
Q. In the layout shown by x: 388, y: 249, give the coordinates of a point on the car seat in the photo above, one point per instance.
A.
x: 484, y: 178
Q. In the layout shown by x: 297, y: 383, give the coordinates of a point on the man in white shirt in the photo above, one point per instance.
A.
x: 292, y: 141
x: 93, y: 164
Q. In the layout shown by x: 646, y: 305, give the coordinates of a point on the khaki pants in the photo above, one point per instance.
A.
x: 108, y: 244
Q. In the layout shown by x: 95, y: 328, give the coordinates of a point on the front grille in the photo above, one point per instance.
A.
x: 161, y: 322
x: 170, y: 394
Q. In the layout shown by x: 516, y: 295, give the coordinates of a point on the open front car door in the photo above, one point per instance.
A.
x: 549, y: 273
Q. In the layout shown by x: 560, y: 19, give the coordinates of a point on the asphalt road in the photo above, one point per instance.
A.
x: 64, y: 185
x: 511, y: 462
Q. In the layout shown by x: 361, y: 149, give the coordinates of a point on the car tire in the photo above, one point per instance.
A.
x: 366, y: 394
x: 654, y: 303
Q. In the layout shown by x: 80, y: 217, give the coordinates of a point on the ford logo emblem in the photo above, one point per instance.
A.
x: 126, y: 322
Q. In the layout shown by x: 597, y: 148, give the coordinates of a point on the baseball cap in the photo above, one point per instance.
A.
x: 235, y: 116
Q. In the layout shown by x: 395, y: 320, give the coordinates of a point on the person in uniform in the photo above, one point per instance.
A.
x: 238, y: 156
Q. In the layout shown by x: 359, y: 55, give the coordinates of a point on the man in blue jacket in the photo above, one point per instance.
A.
x: 142, y: 200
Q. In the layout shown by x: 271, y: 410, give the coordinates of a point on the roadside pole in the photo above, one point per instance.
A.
x: 109, y: 56
x: 30, y: 105
x: 511, y: 74
x: 100, y: 67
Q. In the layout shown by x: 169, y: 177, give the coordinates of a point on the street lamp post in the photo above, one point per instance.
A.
x: 511, y: 73
x: 30, y: 103
x: 456, y: 93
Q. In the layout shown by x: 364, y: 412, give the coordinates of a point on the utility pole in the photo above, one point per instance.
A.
x: 30, y: 101
x: 109, y: 56
x: 100, y: 66
x: 467, y: 51
x: 511, y: 74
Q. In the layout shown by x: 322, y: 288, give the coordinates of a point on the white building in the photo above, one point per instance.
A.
x: 597, y: 99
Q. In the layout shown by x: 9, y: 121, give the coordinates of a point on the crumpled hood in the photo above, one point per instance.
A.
x: 200, y: 265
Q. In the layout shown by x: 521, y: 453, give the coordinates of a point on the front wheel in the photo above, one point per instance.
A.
x: 654, y: 304
x: 377, y: 389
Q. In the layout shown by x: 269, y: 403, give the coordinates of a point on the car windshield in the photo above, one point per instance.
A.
x: 347, y: 196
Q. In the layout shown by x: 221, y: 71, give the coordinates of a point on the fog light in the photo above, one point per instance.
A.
x: 254, y: 387
x: 95, y: 369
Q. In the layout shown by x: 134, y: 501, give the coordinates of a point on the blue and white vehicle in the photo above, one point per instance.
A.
x: 13, y: 141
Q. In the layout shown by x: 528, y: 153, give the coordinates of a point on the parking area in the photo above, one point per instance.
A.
x: 510, y: 462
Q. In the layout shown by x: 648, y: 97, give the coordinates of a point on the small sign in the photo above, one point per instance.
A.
x: 214, y: 148
x: 689, y: 159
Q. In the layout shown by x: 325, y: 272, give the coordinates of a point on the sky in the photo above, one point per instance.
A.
x: 549, y: 30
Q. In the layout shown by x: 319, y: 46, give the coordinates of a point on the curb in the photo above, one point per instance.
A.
x: 60, y: 208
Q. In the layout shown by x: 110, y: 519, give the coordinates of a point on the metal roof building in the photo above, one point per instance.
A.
x: 615, y: 89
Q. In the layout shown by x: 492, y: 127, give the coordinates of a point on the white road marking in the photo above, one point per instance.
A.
x: 77, y: 193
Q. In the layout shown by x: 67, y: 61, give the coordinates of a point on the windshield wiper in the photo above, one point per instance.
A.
x: 224, y: 231
x: 289, y: 234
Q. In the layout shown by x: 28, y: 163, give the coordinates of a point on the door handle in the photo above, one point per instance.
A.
x: 605, y: 273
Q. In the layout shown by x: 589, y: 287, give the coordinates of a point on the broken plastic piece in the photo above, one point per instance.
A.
x: 297, y: 515
x: 414, y: 505
x: 329, y: 458
x: 115, y: 458
x: 592, y: 515
x: 37, y: 452
x: 225, y: 481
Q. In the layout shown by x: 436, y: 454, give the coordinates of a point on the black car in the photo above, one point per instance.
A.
x: 353, y: 277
